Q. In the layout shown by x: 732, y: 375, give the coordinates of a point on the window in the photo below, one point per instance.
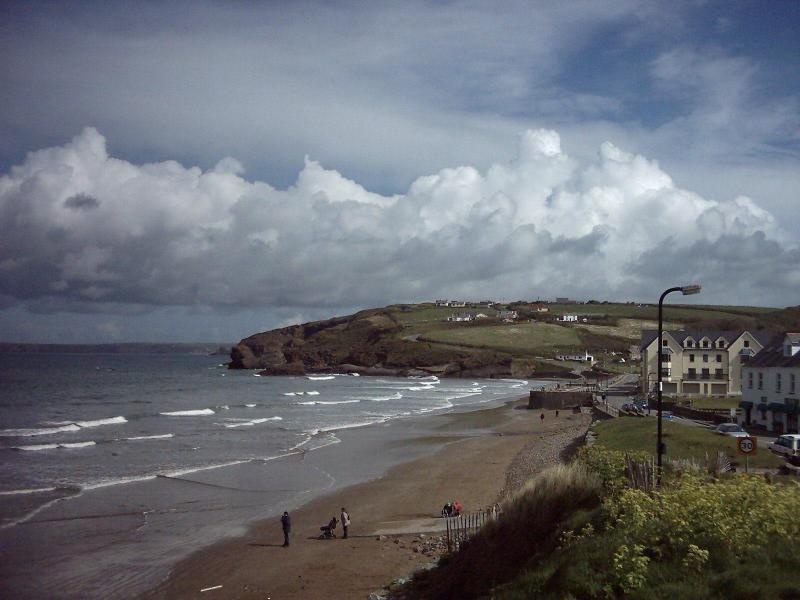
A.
x: 791, y: 383
x: 717, y: 373
x: 691, y: 358
x: 666, y: 357
x: 705, y: 357
x: 750, y: 380
x: 777, y: 382
x: 705, y: 343
x: 689, y: 344
x: 760, y: 380
x: 747, y: 343
x: 692, y: 373
x: 665, y: 343
x: 719, y: 357
x: 705, y: 374
x: 721, y: 344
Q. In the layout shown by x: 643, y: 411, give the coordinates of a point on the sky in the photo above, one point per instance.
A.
x: 202, y: 171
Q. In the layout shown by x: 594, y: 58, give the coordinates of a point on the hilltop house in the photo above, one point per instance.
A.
x: 451, y: 303
x: 568, y: 318
x: 507, y: 315
x: 771, y: 386
x: 707, y: 363
x: 460, y: 317
x: 541, y: 308
x: 585, y: 357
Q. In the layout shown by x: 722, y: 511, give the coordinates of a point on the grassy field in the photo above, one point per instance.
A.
x: 436, y: 314
x: 523, y: 337
x: 633, y: 433
x: 650, y: 312
x: 715, y: 402
x: 627, y: 328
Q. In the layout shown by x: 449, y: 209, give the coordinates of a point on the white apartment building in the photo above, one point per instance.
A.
x: 700, y: 363
x: 771, y: 386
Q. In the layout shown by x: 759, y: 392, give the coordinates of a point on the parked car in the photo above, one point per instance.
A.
x: 787, y: 445
x: 732, y: 429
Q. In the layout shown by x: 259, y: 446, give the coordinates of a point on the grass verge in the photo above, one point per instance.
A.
x: 683, y: 441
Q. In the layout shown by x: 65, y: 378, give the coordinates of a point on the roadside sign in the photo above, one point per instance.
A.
x: 747, y: 445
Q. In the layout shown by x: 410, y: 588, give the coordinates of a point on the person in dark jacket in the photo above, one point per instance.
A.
x: 345, y: 522
x: 286, y: 523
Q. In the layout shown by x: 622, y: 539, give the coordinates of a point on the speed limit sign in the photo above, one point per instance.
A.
x: 747, y: 445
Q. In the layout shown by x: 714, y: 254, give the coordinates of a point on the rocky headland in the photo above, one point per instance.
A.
x: 370, y: 342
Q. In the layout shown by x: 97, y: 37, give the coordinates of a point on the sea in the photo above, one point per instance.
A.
x: 116, y: 466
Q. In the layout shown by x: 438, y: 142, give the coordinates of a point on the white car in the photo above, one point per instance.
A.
x: 732, y: 429
x: 788, y: 445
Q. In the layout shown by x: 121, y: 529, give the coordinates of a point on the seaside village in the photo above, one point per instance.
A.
x: 730, y: 404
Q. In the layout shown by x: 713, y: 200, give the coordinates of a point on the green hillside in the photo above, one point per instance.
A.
x: 603, y: 327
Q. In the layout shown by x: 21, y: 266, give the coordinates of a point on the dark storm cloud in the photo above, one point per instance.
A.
x: 81, y: 202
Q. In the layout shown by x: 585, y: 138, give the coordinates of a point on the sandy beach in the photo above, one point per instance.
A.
x: 387, y: 514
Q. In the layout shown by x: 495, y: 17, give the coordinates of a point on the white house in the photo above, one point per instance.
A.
x: 771, y: 386
x: 459, y: 317
x: 569, y: 318
x: 585, y: 357
x: 701, y: 362
x: 507, y: 315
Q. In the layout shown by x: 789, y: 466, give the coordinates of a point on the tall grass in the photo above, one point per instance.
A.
x: 530, y: 526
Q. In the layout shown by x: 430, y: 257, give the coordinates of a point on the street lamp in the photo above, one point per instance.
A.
x: 686, y: 290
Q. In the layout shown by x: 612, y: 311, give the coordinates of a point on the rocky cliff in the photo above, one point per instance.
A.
x: 368, y: 342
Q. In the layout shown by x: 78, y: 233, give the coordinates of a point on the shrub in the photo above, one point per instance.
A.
x: 530, y: 526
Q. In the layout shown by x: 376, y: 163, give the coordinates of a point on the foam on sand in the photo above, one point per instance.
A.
x: 38, y: 431
x: 66, y: 445
x: 252, y: 422
x: 321, y: 377
x: 188, y: 413
x: 148, y: 437
x: 100, y: 422
x: 395, y: 396
x: 25, y: 492
x: 313, y: 402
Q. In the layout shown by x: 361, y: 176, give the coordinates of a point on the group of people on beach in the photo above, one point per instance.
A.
x: 452, y: 509
x: 327, y: 530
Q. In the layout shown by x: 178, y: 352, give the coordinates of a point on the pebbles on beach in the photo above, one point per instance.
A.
x: 545, y: 451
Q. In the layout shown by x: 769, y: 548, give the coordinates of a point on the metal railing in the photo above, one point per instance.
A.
x: 465, y: 525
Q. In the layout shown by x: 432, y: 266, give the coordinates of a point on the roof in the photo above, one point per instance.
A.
x: 772, y: 355
x: 649, y: 335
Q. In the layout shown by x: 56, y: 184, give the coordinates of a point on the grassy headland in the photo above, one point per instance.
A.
x: 407, y: 339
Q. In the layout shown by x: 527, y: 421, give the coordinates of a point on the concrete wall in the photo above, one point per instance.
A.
x: 557, y: 400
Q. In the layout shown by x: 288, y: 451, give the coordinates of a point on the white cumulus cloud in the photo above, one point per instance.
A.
x: 80, y: 228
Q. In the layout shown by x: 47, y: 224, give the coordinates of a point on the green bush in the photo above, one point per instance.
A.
x: 693, y: 538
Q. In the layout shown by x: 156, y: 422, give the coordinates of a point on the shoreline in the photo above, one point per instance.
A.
x: 476, y: 457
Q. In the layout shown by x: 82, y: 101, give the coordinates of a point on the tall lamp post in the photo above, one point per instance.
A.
x: 686, y: 290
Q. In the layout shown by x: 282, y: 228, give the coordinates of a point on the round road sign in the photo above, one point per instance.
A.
x: 747, y: 445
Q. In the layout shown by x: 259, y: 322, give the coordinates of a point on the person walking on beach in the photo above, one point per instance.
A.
x: 286, y: 523
x: 541, y: 416
x: 345, y: 522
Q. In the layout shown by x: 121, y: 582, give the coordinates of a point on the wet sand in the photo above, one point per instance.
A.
x: 501, y: 448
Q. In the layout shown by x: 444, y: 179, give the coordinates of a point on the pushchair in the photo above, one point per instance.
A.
x: 327, y: 530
